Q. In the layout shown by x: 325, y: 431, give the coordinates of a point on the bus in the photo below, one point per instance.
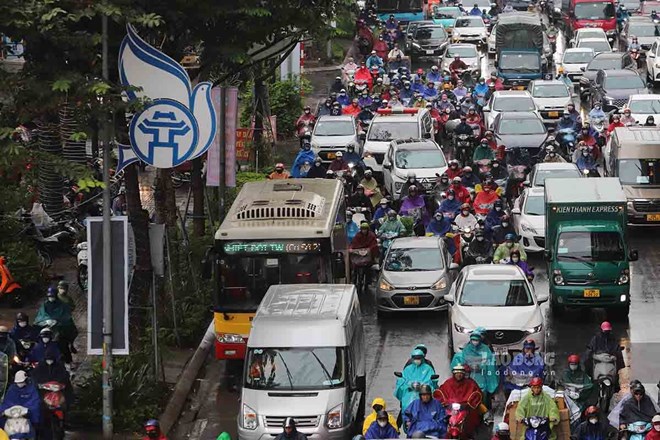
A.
x: 276, y: 232
x: 404, y: 11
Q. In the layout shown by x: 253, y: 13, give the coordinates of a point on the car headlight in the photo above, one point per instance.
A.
x: 335, y: 419
x: 462, y: 329
x: 624, y: 278
x: 630, y: 205
x: 229, y: 338
x: 384, y: 285
x: 440, y: 284
x: 527, y: 228
x: 557, y: 277
x: 535, y: 329
x: 249, y: 418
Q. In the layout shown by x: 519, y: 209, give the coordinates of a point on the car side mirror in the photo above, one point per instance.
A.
x: 449, y: 298
x: 583, y: 69
x: 454, y: 266
x: 362, y: 136
x: 527, y: 183
x: 633, y: 255
x: 427, y: 135
x: 547, y: 254
x: 571, y: 42
x: 515, y: 211
x: 542, y: 298
x: 387, y: 165
x: 398, y: 374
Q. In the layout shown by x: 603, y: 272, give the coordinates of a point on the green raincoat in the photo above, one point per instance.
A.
x: 482, y: 362
x: 541, y: 406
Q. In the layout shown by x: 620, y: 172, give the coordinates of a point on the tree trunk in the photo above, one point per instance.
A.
x: 198, y: 198
x: 169, y: 196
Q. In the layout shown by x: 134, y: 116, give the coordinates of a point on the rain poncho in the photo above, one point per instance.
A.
x: 376, y: 432
x: 439, y: 227
x: 483, y: 152
x: 522, y: 365
x: 465, y: 392
x: 372, y: 417
x: 410, y: 204
x: 597, y: 113
x: 61, y: 312
x: 392, y: 227
x: 450, y: 206
x: 578, y: 377
x: 494, y: 218
x: 613, y: 416
x: 302, y: 157
x: 372, y: 185
x: 427, y: 417
x: 541, y: 406
x: 633, y: 411
x: 467, y: 221
x: 482, y: 363
x: 28, y: 396
x: 413, y: 373
x: 589, y: 431
x: 503, y: 252
x: 351, y: 229
x: 484, y: 201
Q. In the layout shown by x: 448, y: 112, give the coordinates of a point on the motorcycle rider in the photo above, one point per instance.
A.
x: 406, y: 93
x: 378, y: 405
x: 586, y: 161
x: 444, y: 103
x: 381, y: 428
x: 425, y: 414
x: 622, y: 15
x: 305, y: 122
x: 501, y: 231
x: 23, y: 393
x: 374, y: 61
x: 304, y: 155
x: 364, y: 100
x: 430, y: 92
x: 52, y: 370
x: 54, y: 309
x: 7, y: 344
x: 604, y: 342
x: 485, y: 198
x: 627, y: 118
x: 465, y: 391
x: 411, y: 180
x: 442, y: 183
x: 392, y: 225
x: 450, y: 205
x: 508, y: 8
x: 480, y: 250
x: 279, y: 173
x: 337, y: 85
x: 434, y: 75
x: 457, y: 65
x: 567, y: 122
x: 475, y: 10
x: 439, y: 226
x: 381, y: 212
x: 465, y: 219
x: 352, y: 109
x: 616, y: 122
x: 574, y: 374
x: 563, y: 77
x: 396, y: 51
x: 575, y: 115
x: 650, y: 121
x: 360, y: 200
x: 497, y: 82
x: 638, y: 409
x: 336, y: 109
x: 290, y: 432
x: 152, y: 430
x: 597, y: 112
x: 516, y: 261
x: 338, y: 163
x: 654, y: 434
x: 503, y: 251
x: 551, y: 156
x: 538, y: 403
x: 318, y: 170
x: 479, y: 357
x: 414, y: 204
x: 381, y: 47
x: 469, y: 178
x: 483, y: 151
x: 528, y: 363
x: 453, y: 170
x: 370, y: 184
x: 352, y: 228
x: 22, y: 330
x: 391, y: 23
x: 592, y: 427
x: 461, y: 192
x: 45, y: 343
x: 494, y: 216
x: 460, y: 91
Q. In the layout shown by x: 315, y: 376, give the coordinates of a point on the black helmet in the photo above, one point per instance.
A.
x: 425, y: 389
x: 20, y: 316
x: 382, y: 414
x: 289, y: 422
x: 638, y: 388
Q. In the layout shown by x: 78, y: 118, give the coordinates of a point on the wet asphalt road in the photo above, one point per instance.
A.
x: 390, y: 340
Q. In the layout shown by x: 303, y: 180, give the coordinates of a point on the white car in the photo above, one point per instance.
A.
x: 508, y: 101
x: 643, y: 106
x: 551, y: 98
x: 653, y: 63
x: 421, y: 156
x: 587, y: 32
x: 574, y: 61
x: 492, y: 45
x: 529, y: 218
x: 334, y: 133
x: 599, y: 45
x: 470, y: 29
x: 499, y: 298
x: 469, y: 55
x: 555, y: 170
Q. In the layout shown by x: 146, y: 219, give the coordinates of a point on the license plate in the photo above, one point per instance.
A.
x: 553, y: 114
x: 653, y: 217
x: 331, y: 155
x: 519, y: 88
x: 411, y: 300
x: 430, y: 52
x: 592, y: 293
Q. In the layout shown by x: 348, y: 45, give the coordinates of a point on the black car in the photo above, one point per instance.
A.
x: 603, y: 61
x: 613, y: 87
x: 520, y: 130
x: 428, y: 41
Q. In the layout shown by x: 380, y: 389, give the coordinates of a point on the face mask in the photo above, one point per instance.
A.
x: 22, y: 324
x: 51, y: 299
x: 152, y: 434
x: 63, y: 291
x: 498, y: 209
x: 480, y: 239
x: 444, y: 180
x: 50, y: 361
x: 573, y: 367
x: 551, y: 154
x: 474, y: 342
x: 382, y: 423
x: 45, y: 340
x: 21, y: 384
x: 593, y: 420
x: 465, y: 212
x: 438, y: 218
x: 411, y: 179
x: 515, y: 260
x: 585, y: 154
x: 417, y: 361
x: 306, y: 112
x: 317, y: 164
x: 450, y: 197
x: 505, y: 224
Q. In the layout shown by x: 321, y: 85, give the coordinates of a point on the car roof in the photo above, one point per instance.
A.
x: 329, y: 118
x: 511, y: 94
x: 493, y: 271
x: 593, y: 40
x: 471, y: 17
x: 640, y: 19
x: 415, y: 144
x: 518, y: 115
x: 620, y: 72
x: 462, y: 45
x: 587, y: 30
x: 608, y: 55
x: 579, y: 49
x: 399, y: 117
x: 548, y: 81
x: 416, y: 242
x: 555, y: 166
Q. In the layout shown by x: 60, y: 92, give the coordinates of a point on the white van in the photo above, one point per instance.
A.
x: 305, y: 359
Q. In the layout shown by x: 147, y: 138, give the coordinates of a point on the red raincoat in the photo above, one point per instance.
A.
x: 361, y: 241
x: 461, y: 193
x: 381, y: 48
x: 465, y: 392
x: 484, y: 201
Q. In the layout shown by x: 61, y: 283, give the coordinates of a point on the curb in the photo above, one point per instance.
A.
x: 186, y: 381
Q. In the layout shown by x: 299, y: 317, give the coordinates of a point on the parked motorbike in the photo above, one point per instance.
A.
x: 605, y: 375
x: 18, y: 425
x: 55, y: 403
x: 83, y: 274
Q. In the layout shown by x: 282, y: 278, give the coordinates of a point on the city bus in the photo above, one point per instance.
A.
x: 404, y: 11
x: 276, y: 232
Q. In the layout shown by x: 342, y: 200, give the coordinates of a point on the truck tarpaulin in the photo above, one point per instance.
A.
x: 519, y: 31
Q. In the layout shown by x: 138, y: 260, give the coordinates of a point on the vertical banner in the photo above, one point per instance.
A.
x: 243, y: 143
x: 213, y: 156
x: 120, y: 274
x: 231, y: 120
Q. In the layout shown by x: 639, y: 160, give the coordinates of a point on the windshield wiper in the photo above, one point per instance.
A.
x: 325, y: 370
x: 580, y: 259
x: 288, y: 372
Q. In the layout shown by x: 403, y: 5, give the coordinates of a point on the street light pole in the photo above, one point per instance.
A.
x: 108, y: 430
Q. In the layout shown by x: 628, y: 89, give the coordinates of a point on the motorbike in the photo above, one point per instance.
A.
x: 18, y: 425
x: 21, y: 361
x: 407, y: 391
x: 635, y: 431
x: 566, y: 139
x: 636, y: 56
x: 60, y: 238
x: 463, y: 146
x: 83, y: 274
x: 55, y: 402
x: 515, y: 381
x: 484, y: 166
x: 599, y: 125
x: 591, y: 173
x: 574, y: 391
x: 605, y: 375
x: 360, y: 263
x: 538, y: 428
x: 467, y: 235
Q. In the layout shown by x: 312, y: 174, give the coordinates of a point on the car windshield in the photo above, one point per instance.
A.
x: 535, y: 205
x: 590, y: 246
x: 387, y: 131
x: 413, y: 260
x: 295, y: 368
x: 334, y: 128
x: 462, y: 51
x: 645, y: 106
x: 644, y: 30
x: 431, y: 33
x: 639, y: 171
x: 413, y: 159
x: 623, y: 82
x: 582, y: 57
x: 447, y: 13
x: 468, y: 22
x: 594, y: 11
x: 520, y: 62
x: 598, y: 46
x: 541, y: 175
x: 521, y: 126
x: 551, y: 91
x: 495, y: 293
x: 399, y: 5
x: 514, y: 104
x: 604, y: 64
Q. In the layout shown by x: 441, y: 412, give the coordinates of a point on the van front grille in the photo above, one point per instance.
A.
x: 301, y: 422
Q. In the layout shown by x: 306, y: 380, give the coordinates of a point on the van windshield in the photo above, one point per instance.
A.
x: 587, y: 246
x: 295, y: 368
x: 639, y: 171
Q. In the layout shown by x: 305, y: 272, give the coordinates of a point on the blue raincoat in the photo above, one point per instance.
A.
x: 302, y: 157
x: 435, y: 77
x: 413, y: 373
x: 28, y: 396
x: 522, y: 365
x: 450, y: 206
x: 439, y: 227
x: 351, y: 229
x: 376, y: 432
x: 426, y: 417
x: 493, y: 219
x: 482, y: 362
x: 480, y: 89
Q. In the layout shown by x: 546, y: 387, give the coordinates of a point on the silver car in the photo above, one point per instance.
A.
x: 417, y: 272
x: 335, y: 133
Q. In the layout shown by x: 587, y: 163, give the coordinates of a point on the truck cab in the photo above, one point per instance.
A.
x: 587, y: 248
x: 578, y: 14
x: 519, y: 45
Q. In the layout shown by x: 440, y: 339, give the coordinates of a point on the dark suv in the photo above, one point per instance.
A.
x: 603, y: 61
x: 613, y: 87
x: 427, y: 41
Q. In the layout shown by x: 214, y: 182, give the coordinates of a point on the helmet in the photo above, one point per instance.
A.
x: 339, y: 154
x: 456, y: 179
x: 62, y: 283
x: 4, y: 329
x: 45, y: 332
x: 416, y: 352
x: 20, y: 376
x: 52, y: 291
x: 20, y: 316
x: 484, y: 140
x: 465, y: 206
x: 536, y: 382
x: 289, y: 422
x: 412, y: 188
x: 510, y: 237
x: 502, y: 428
x: 391, y: 213
x: 422, y: 347
x: 434, y: 68
x: 425, y: 389
x: 591, y: 411
x: 467, y: 169
x: 152, y: 423
x: 638, y: 388
x: 529, y: 343
x: 458, y: 368
x: 606, y: 326
x: 279, y: 166
x: 574, y: 359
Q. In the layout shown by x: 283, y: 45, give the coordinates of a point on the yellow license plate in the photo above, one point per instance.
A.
x: 331, y: 155
x: 411, y: 300
x: 520, y: 87
x: 653, y: 217
x: 592, y: 293
x: 553, y: 114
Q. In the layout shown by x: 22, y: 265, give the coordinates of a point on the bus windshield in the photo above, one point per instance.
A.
x: 398, y: 5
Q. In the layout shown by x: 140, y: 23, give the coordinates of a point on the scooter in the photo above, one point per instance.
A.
x: 55, y: 401
x: 463, y: 148
x: 83, y: 274
x: 18, y: 425
x: 384, y: 242
x: 407, y: 391
x: 538, y: 428
x: 605, y: 375
x: 635, y: 431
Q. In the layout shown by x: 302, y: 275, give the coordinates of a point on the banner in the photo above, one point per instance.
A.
x: 243, y: 144
x: 231, y: 120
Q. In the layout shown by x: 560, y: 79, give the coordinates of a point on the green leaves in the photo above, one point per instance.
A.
x: 61, y: 85
x: 99, y: 88
x: 150, y: 20
x: 52, y: 14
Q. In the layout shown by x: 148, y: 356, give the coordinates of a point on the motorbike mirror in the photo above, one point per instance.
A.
x: 622, y: 348
x: 398, y: 374
x: 542, y: 298
x: 435, y: 376
x: 634, y: 255
x: 387, y: 165
x: 527, y: 183
x: 515, y: 211
x: 449, y: 298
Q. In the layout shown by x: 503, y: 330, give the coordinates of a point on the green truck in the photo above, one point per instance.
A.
x: 586, y: 244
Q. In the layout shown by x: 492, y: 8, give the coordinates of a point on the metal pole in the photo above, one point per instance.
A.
x: 108, y: 430
x: 221, y: 184
x: 154, y: 325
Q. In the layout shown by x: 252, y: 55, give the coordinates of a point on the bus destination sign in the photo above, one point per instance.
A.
x: 272, y: 247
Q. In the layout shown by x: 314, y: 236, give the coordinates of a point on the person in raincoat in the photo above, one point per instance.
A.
x: 378, y: 405
x: 426, y: 415
x: 426, y: 360
x: 483, y: 151
x: 539, y: 404
x: 463, y: 390
x: 451, y: 204
x: 413, y: 201
x: 479, y: 357
x: 304, y: 155
x: 417, y: 372
x: 439, y: 225
x: 381, y: 428
x: 528, y: 364
x: 593, y: 427
x: 224, y: 436
x: 503, y: 251
x: 22, y: 392
x: 370, y: 185
x: 392, y: 226
x: 575, y: 375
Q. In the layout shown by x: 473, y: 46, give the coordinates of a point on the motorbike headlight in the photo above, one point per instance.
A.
x: 335, y: 419
x: 624, y: 278
x: 528, y: 228
x: 249, y: 418
x: 440, y: 284
x: 536, y: 329
x: 229, y: 338
x: 384, y: 285
x: 557, y: 277
x: 462, y: 329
